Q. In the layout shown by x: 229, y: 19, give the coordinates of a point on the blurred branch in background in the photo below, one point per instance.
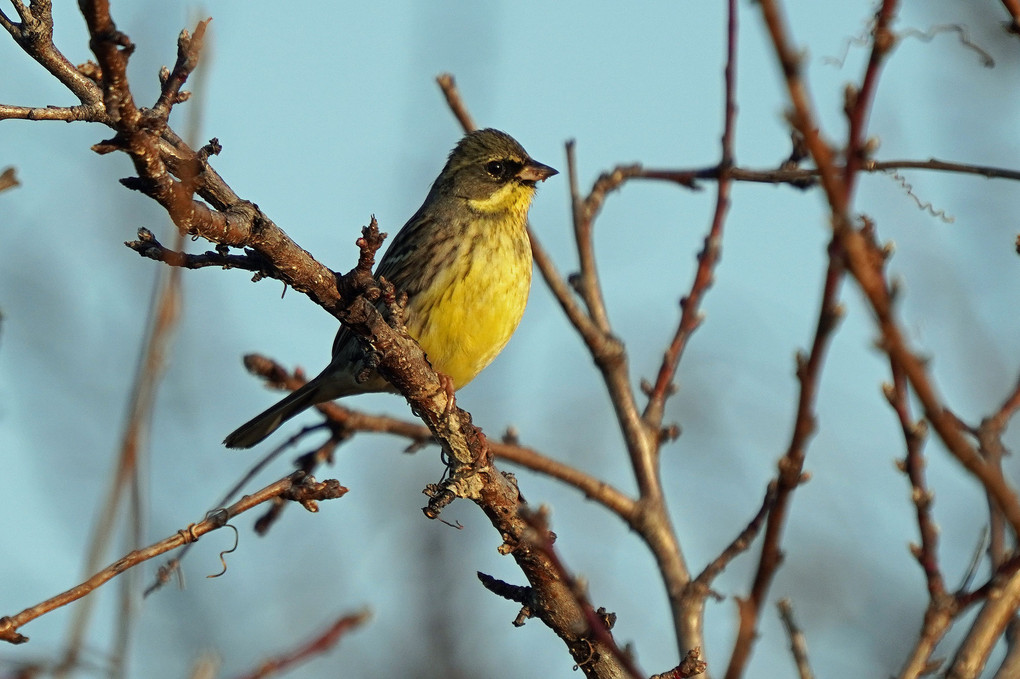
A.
x: 798, y: 642
x: 1013, y: 8
x: 320, y: 644
x: 128, y: 479
x: 8, y: 179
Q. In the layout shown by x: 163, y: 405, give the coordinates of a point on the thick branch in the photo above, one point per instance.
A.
x: 35, y: 36
x: 93, y: 113
x: 172, y: 174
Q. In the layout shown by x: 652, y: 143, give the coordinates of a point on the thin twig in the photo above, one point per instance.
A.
x: 798, y: 642
x: 859, y: 103
x: 8, y: 179
x: 321, y: 644
x: 989, y: 435
x: 149, y: 247
x: 791, y: 466
x: 349, y: 422
x: 738, y: 546
x: 708, y: 258
x: 35, y: 36
x: 586, y: 282
x: 914, y: 434
x: 453, y: 99
x: 298, y: 487
x: 942, y: 607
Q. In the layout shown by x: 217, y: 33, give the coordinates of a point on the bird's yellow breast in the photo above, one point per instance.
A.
x: 465, y: 318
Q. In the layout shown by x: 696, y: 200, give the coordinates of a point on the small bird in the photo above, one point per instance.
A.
x: 464, y: 262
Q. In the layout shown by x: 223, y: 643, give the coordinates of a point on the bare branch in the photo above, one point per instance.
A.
x: 1010, y: 665
x: 8, y: 179
x: 914, y: 434
x: 35, y: 36
x: 739, y: 545
x: 858, y: 104
x: 149, y: 247
x: 188, y: 49
x: 996, y: 613
x: 93, y: 113
x: 798, y: 643
x: 690, y: 316
x: 297, y: 486
x: 1013, y: 7
x: 691, y: 666
x: 346, y: 422
x: 864, y: 258
x: 453, y: 99
x: 586, y: 283
x: 798, y: 177
x: 791, y: 466
x: 321, y: 644
x: 597, y: 638
x: 938, y: 617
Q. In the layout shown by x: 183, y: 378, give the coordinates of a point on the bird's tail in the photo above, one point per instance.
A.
x: 268, y: 421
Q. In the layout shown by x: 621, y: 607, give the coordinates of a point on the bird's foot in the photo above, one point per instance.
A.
x: 446, y: 382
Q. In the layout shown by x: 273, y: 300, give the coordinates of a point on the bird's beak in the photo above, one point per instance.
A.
x: 534, y: 171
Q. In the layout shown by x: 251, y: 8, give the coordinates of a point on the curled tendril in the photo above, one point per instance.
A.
x: 863, y: 39
x: 237, y: 539
x: 927, y: 36
x: 924, y: 205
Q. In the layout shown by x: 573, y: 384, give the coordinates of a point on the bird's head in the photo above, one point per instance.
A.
x: 492, y: 172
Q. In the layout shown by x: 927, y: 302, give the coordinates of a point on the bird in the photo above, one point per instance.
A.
x: 464, y: 262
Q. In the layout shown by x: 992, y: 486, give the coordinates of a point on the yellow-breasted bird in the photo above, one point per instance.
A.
x: 464, y: 261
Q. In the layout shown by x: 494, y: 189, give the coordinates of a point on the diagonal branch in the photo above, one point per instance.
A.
x: 8, y: 179
x: 690, y: 305
x: 35, y: 36
x: 791, y: 466
x: 318, y: 645
x: 171, y: 173
x: 297, y: 487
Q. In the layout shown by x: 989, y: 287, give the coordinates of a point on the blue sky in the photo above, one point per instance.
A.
x: 330, y: 115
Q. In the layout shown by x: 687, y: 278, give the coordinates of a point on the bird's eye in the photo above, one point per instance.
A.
x: 495, y: 168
